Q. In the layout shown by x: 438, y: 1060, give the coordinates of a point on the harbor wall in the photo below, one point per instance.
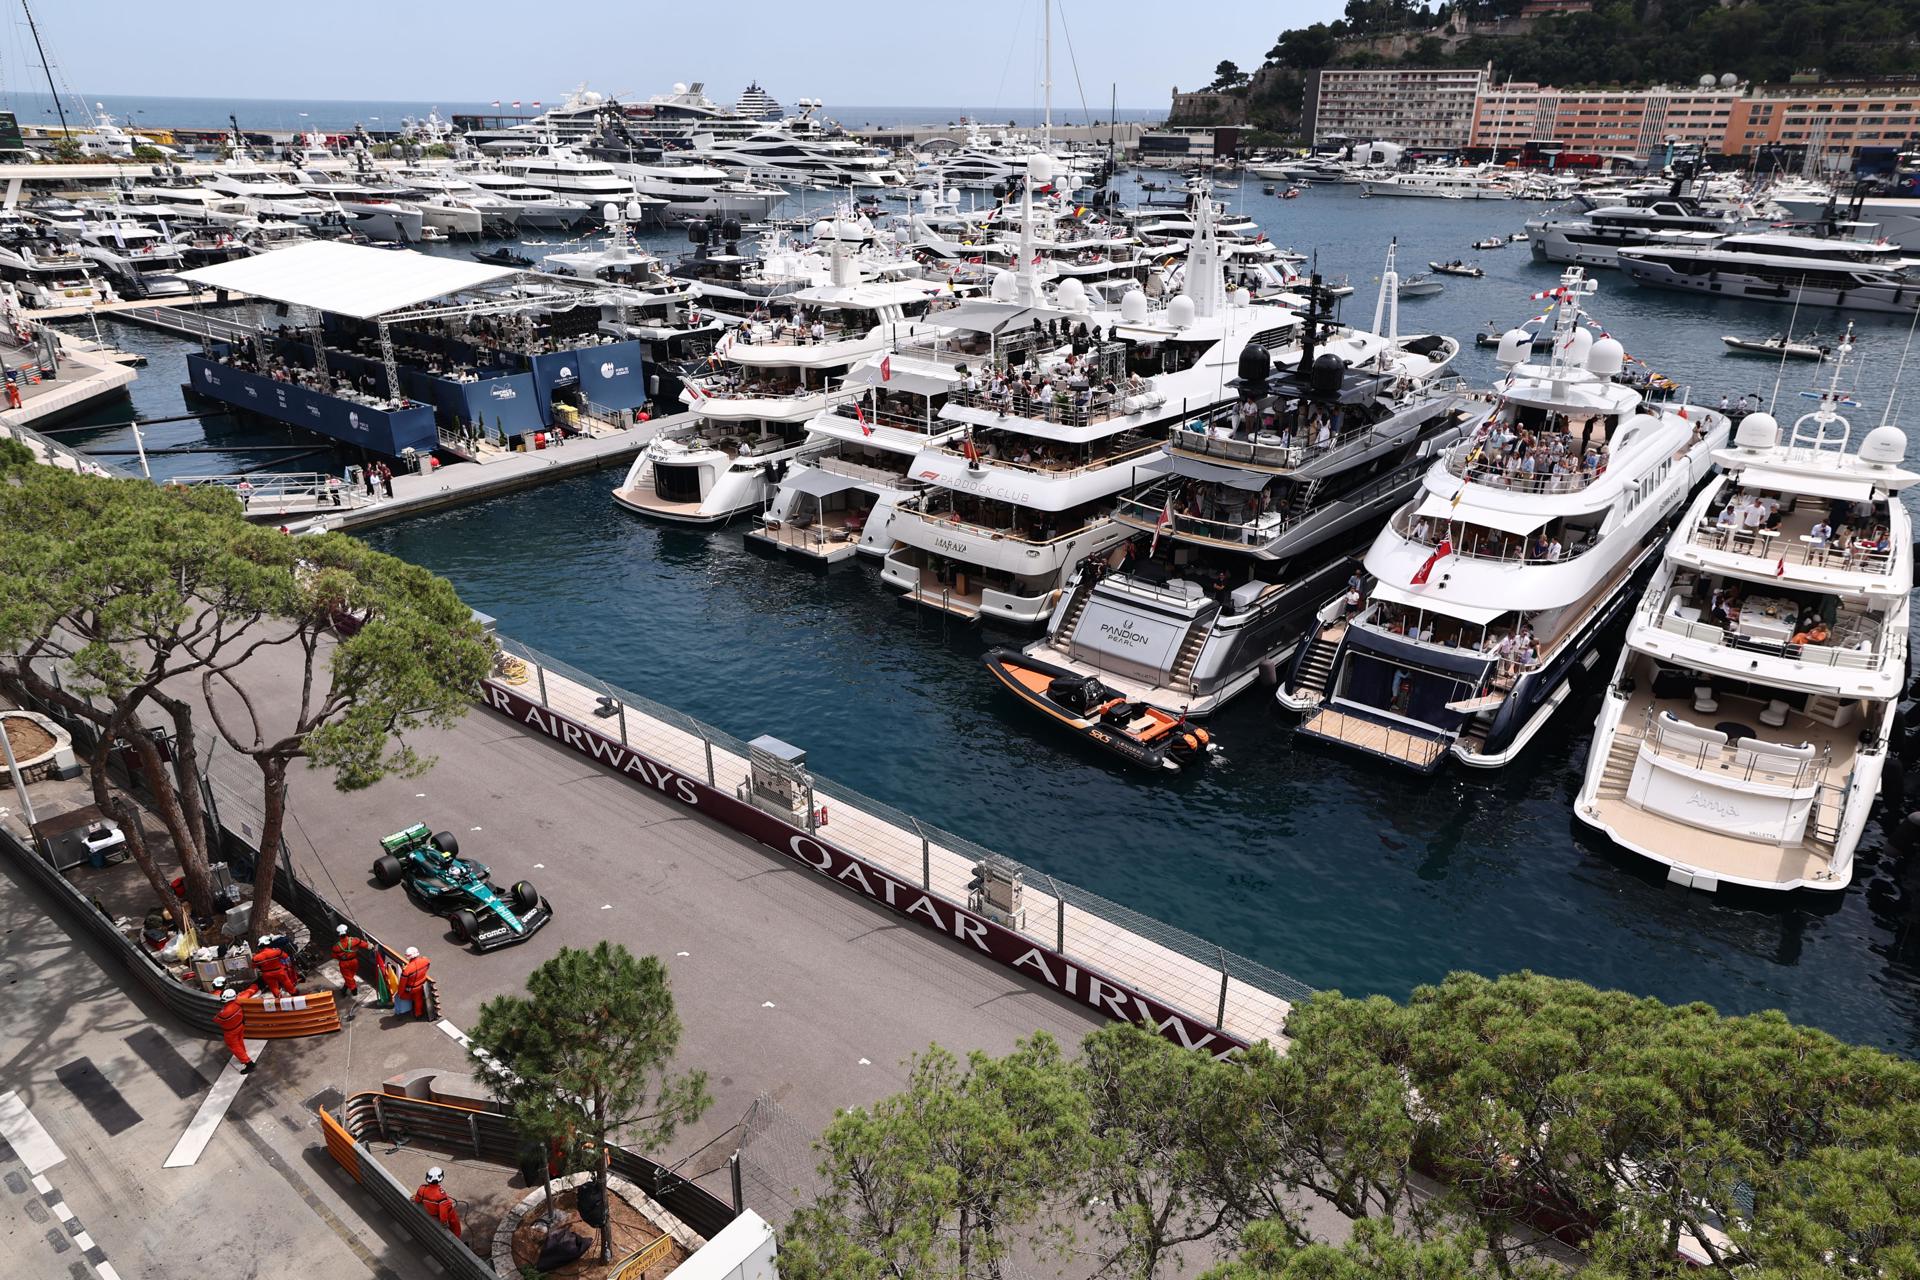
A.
x: 1137, y: 983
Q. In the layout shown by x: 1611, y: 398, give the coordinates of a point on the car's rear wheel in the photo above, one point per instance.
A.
x: 525, y: 897
x: 387, y: 870
x: 447, y: 842
x: 465, y: 924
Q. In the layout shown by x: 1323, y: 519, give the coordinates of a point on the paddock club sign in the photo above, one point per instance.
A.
x: 1003, y: 945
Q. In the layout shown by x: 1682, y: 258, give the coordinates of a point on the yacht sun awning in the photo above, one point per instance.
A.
x: 1436, y: 601
x: 1807, y: 482
x: 347, y: 279
x: 922, y: 381
x: 816, y: 483
x: 1207, y: 472
x: 1518, y: 522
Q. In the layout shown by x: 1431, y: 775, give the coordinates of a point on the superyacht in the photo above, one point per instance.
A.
x: 1799, y: 270
x: 1746, y: 729
x: 1596, y: 239
x: 1063, y: 408
x: 776, y: 372
x: 1491, y: 587
x: 1249, y: 523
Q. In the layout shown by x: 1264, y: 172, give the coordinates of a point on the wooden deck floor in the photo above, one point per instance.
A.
x: 1415, y: 749
x: 1093, y: 940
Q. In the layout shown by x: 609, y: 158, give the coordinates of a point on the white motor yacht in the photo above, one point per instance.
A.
x: 457, y: 206
x: 1492, y: 586
x: 1745, y: 733
x: 1444, y: 184
x: 1596, y: 239
x: 1067, y: 406
x: 268, y: 192
x: 378, y: 211
x: 1798, y: 270
x: 140, y: 261
x: 539, y: 208
x: 593, y: 181
x: 43, y: 270
x: 779, y: 370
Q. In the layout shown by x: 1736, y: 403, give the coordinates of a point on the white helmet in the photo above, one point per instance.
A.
x: 266, y: 940
x: 435, y: 1174
x: 219, y: 984
x: 413, y: 953
x: 226, y: 996
x: 341, y: 930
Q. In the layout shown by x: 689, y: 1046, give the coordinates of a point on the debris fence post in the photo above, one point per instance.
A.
x: 733, y: 1173
x: 623, y: 721
x: 926, y: 856
x: 709, y: 745
x: 1220, y: 1022
x: 540, y: 670
x: 1059, y: 916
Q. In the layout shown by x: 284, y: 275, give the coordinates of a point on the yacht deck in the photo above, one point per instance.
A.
x: 1706, y: 849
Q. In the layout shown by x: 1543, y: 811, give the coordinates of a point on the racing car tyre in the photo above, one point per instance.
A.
x: 387, y: 870
x: 524, y: 896
x: 465, y: 924
x: 446, y: 842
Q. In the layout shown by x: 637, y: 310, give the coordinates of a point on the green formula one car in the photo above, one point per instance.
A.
x: 439, y: 879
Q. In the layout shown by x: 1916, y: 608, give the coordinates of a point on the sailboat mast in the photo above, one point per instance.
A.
x: 1046, y: 76
x: 35, y: 28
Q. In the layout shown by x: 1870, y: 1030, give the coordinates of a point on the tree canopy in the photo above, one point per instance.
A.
x: 583, y: 1059
x: 120, y: 599
x: 1631, y: 41
x: 1512, y: 1127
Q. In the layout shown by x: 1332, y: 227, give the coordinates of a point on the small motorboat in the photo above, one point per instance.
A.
x: 502, y: 258
x: 1420, y: 287
x: 1777, y: 346
x: 1491, y: 242
x: 1518, y: 237
x: 1268, y: 189
x: 1454, y: 268
x: 1291, y: 193
x: 1144, y: 736
x: 433, y: 235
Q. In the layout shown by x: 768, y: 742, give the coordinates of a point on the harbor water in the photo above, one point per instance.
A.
x: 1328, y: 866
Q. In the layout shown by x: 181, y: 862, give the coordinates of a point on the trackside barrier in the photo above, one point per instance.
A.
x: 358, y: 1160
x: 486, y: 1134
x: 1120, y: 963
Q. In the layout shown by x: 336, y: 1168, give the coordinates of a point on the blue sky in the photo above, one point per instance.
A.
x: 914, y: 53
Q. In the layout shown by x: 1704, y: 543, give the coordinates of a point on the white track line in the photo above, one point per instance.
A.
x: 213, y: 1110
x: 35, y: 1147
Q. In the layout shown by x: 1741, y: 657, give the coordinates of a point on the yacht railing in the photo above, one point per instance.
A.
x: 915, y: 423
x: 1722, y: 760
x: 1521, y: 553
x: 1490, y: 469
x: 1067, y: 408
x: 854, y: 470
x: 1812, y: 655
x: 1128, y: 446
x: 948, y: 520
x: 1852, y: 557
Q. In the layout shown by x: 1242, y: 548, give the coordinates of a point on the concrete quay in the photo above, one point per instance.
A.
x: 459, y: 483
x: 89, y: 373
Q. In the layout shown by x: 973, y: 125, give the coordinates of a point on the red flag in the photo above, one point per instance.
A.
x: 1164, y: 522
x: 886, y: 368
x: 534, y: 103
x: 862, y: 417
x: 516, y: 102
x: 1426, y: 570
x: 971, y: 450
x: 496, y: 102
x: 1780, y: 570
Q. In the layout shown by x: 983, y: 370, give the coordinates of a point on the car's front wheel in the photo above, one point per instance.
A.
x: 465, y: 924
x: 387, y: 870
x: 525, y: 898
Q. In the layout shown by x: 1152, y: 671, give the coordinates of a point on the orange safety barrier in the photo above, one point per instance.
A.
x: 285, y: 1021
x: 340, y: 1145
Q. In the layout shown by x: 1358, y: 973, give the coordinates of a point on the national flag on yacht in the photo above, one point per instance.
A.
x: 970, y: 449
x: 1164, y: 522
x: 886, y: 368
x: 1780, y: 569
x: 860, y: 416
x: 1426, y: 570
x: 1556, y: 293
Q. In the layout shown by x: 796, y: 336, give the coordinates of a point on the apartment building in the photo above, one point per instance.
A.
x: 1833, y: 121
x: 1413, y: 106
x: 1638, y: 122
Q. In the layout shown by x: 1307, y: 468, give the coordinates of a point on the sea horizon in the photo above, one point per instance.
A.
x: 159, y: 111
